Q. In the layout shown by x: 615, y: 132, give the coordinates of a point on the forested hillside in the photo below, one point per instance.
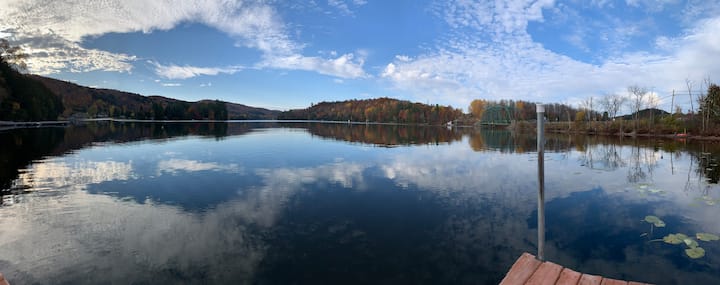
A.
x: 92, y: 102
x: 385, y: 110
x: 25, y: 99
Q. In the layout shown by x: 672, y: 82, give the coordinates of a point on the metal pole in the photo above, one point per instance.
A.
x: 541, y: 180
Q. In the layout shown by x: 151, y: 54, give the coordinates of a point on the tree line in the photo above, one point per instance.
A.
x: 384, y: 110
x: 521, y: 110
x: 646, y: 117
x: 22, y: 98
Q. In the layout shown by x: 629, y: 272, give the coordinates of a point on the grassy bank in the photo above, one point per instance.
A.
x: 664, y: 127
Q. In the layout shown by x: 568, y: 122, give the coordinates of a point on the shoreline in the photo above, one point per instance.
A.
x: 10, y: 125
x: 643, y: 135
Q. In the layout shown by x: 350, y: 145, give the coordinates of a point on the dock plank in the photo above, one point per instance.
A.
x: 528, y: 270
x: 610, y: 281
x: 521, y: 271
x: 588, y: 279
x: 568, y: 277
x: 546, y: 274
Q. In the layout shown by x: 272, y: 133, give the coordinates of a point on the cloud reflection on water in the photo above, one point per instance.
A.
x: 480, y: 213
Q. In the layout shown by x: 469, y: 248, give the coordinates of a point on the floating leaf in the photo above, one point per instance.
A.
x: 707, y: 237
x: 695, y: 252
x: 655, y: 220
x: 673, y: 238
x: 691, y: 243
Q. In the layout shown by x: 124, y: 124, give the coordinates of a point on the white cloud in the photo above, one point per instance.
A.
x: 49, y: 53
x: 499, y: 59
x: 344, y: 66
x: 183, y: 72
x: 254, y: 24
x: 171, y: 84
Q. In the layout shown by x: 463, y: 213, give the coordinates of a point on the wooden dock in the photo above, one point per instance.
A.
x: 529, y: 270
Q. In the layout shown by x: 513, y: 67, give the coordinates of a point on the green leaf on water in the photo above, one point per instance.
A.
x: 707, y: 237
x: 691, y: 243
x: 674, y: 238
x: 695, y: 252
x: 655, y: 221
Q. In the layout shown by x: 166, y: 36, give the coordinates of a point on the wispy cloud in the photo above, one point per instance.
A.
x: 346, y: 7
x: 493, y: 56
x: 64, y: 25
x: 50, y: 53
x: 184, y: 72
x: 344, y: 66
x: 170, y: 84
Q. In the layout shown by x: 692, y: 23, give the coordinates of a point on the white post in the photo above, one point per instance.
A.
x: 541, y: 180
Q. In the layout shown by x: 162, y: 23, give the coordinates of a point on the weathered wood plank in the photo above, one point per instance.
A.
x: 568, y: 277
x: 523, y: 268
x: 3, y: 281
x: 587, y: 279
x: 610, y: 281
x: 546, y: 274
x: 527, y: 270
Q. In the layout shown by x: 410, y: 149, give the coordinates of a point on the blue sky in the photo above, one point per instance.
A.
x: 289, y: 54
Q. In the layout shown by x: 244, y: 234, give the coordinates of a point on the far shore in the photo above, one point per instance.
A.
x: 644, y: 135
x: 9, y: 125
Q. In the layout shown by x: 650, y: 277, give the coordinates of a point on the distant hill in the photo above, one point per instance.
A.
x: 385, y: 110
x: 93, y: 102
x: 646, y: 114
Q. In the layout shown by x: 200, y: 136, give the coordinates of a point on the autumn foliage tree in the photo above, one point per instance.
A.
x: 477, y: 107
x: 382, y: 110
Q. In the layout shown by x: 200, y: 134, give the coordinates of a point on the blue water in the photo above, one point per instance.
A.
x: 310, y: 203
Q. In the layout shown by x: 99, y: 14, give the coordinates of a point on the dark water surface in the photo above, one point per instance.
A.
x: 311, y: 203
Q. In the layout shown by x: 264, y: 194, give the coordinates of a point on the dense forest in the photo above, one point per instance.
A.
x: 385, y: 110
x: 98, y: 103
x: 523, y: 110
x: 25, y: 99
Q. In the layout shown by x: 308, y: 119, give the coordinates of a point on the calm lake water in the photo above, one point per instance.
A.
x: 311, y: 203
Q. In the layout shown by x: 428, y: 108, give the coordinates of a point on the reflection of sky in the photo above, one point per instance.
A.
x: 54, y: 174
x: 189, y: 204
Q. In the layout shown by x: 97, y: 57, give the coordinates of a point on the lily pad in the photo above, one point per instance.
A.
x: 674, y: 238
x: 655, y: 221
x: 707, y: 237
x: 695, y: 252
x: 691, y: 243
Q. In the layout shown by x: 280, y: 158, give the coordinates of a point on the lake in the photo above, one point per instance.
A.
x: 319, y: 203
